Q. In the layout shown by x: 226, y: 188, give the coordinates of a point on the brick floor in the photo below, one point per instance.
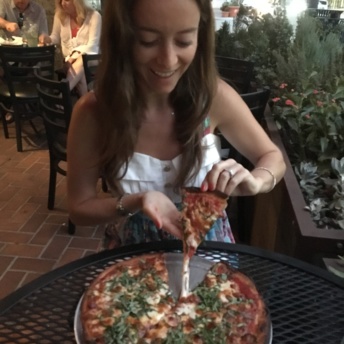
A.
x: 33, y: 239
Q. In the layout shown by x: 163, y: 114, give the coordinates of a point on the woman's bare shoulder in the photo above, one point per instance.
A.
x: 226, y: 105
x: 225, y: 91
x: 224, y: 97
x: 87, y: 104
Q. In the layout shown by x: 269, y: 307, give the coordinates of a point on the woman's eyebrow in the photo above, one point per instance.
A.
x: 148, y: 29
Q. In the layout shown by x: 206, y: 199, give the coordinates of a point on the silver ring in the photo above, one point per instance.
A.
x: 231, y: 173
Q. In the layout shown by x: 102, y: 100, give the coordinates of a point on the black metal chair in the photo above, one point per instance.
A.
x: 237, y: 73
x: 56, y: 106
x: 257, y: 102
x: 19, y: 86
x: 90, y: 62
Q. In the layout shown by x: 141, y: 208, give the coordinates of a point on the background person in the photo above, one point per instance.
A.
x: 14, y: 13
x: 77, y: 28
x: 149, y: 126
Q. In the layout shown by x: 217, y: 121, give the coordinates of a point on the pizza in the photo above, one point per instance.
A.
x: 199, y: 212
x: 131, y: 302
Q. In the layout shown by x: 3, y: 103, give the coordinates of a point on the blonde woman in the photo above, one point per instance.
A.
x: 77, y: 29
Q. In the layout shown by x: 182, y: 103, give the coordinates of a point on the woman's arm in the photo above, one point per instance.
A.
x: 55, y: 36
x: 233, y: 118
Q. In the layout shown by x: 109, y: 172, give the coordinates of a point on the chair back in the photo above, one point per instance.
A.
x: 56, y: 107
x: 91, y: 62
x: 19, y: 64
x: 257, y: 102
x: 238, y: 73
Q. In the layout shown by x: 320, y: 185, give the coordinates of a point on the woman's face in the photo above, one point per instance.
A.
x: 68, y: 6
x: 166, y: 42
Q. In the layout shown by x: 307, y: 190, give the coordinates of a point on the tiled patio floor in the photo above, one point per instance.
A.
x: 33, y: 239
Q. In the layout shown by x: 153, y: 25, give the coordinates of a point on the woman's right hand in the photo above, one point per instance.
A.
x: 163, y: 212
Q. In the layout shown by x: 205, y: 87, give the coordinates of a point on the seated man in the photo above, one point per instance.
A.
x: 14, y: 14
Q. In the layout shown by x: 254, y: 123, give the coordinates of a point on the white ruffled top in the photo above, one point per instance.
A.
x: 147, y: 173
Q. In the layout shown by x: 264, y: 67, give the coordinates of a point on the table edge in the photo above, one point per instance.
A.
x: 13, y: 298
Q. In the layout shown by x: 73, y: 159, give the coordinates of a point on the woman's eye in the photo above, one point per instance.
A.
x: 148, y: 43
x: 184, y: 44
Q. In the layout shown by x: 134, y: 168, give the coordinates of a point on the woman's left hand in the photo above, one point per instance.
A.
x: 231, y: 178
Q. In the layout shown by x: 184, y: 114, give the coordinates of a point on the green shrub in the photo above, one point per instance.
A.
x: 310, y: 51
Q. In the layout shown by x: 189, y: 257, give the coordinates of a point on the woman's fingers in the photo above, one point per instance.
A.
x: 163, y: 212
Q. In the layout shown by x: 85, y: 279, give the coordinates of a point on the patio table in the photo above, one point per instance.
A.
x: 306, y: 303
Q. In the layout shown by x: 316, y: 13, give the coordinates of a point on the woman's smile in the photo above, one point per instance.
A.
x: 163, y: 74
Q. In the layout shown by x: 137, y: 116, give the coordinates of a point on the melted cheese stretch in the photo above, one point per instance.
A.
x: 185, y: 277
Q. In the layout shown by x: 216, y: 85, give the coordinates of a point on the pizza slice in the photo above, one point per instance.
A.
x: 199, y: 213
x: 128, y: 300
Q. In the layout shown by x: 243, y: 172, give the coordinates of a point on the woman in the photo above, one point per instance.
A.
x: 77, y: 28
x: 149, y: 126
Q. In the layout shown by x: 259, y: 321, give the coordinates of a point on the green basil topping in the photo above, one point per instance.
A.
x: 209, y: 298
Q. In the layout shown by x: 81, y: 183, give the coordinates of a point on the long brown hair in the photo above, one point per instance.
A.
x: 120, y: 98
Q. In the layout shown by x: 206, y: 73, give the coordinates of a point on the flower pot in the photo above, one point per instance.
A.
x: 280, y: 222
x: 225, y: 13
x: 233, y: 11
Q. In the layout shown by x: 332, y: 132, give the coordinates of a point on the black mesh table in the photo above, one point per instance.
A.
x: 306, y: 303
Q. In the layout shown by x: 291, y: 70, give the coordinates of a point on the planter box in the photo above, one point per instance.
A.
x: 280, y: 222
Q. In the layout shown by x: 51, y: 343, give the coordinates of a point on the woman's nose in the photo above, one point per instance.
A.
x: 167, y: 56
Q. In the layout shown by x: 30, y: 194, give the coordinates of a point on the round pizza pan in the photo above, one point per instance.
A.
x: 198, y: 269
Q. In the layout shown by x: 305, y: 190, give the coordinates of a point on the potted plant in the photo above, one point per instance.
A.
x: 307, y: 124
x: 225, y: 8
x: 306, y: 76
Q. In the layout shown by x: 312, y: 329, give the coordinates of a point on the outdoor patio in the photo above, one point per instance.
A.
x: 33, y: 239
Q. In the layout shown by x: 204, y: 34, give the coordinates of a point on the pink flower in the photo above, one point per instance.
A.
x: 289, y: 102
x: 319, y: 103
x: 308, y: 116
x: 315, y: 92
x: 283, y: 85
x: 276, y: 99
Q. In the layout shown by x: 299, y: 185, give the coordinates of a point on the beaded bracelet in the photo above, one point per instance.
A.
x: 271, y: 174
x: 121, y: 211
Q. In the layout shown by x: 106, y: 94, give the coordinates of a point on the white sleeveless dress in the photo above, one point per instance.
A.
x: 147, y: 173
